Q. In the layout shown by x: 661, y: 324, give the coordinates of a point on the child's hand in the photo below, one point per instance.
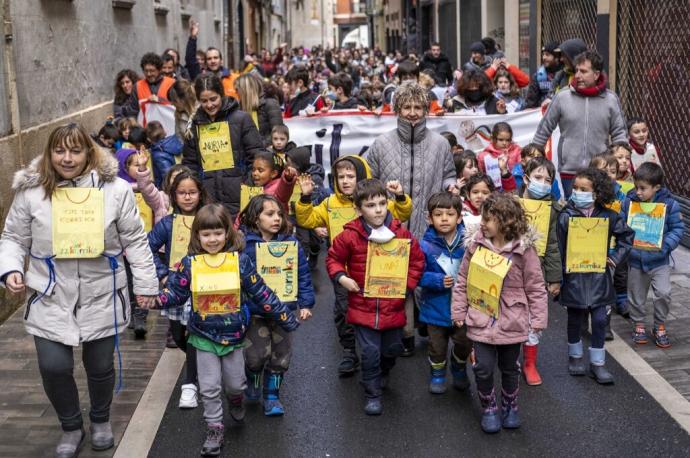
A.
x: 395, y: 187
x: 289, y: 173
x: 439, y: 113
x: 349, y: 284
x: 306, y: 184
x: 458, y: 323
x: 142, y: 161
x: 362, y: 108
x: 460, y: 183
x: 554, y: 289
x: 610, y: 263
x: 378, y: 111
x: 536, y: 330
x: 503, y: 163
x: 448, y: 281
x: 304, y: 314
x: 321, y: 232
x: 501, y: 106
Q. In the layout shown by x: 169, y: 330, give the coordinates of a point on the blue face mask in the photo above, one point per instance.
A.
x: 582, y: 199
x: 332, y: 95
x: 538, y: 190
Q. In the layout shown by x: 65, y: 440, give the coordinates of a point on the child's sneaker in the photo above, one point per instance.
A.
x: 188, y: 396
x: 660, y: 337
x: 236, y: 407
x: 214, y: 440
x: 639, y: 335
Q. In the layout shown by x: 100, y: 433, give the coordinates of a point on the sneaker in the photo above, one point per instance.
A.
x: 639, y: 335
x: 139, y: 327
x: 660, y: 337
x: 214, y: 440
x: 349, y: 364
x: 169, y: 341
x: 188, y: 396
x: 373, y: 406
x: 236, y: 408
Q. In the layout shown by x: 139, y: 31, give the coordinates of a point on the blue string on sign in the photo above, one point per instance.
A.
x: 113, y: 267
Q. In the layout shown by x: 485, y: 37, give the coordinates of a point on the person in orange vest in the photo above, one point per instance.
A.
x: 154, y: 87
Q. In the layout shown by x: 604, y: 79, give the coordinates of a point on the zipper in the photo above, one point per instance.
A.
x: 376, y: 321
x: 412, y: 162
x: 32, y: 298
x: 584, y: 144
x: 124, y: 307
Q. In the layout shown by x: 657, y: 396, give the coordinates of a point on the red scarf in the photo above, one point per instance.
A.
x: 471, y: 207
x: 598, y: 88
x: 640, y: 149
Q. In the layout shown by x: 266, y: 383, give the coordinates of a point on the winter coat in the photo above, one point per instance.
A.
x: 585, y: 124
x: 269, y: 116
x: 228, y: 328
x: 521, y: 78
x: 161, y: 237
x: 674, y: 228
x: 281, y: 189
x: 435, y: 305
x: 305, y: 289
x: 348, y: 256
x: 513, y: 153
x: 156, y: 199
x: 420, y: 159
x: 523, y: 302
x: 224, y: 185
x: 539, y: 87
x: 591, y: 290
x: 486, y: 106
x: 301, y: 102
x: 72, y: 300
x: 163, y: 155
x: 443, y: 70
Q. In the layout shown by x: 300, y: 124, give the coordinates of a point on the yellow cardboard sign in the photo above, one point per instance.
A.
x: 615, y: 206
x: 386, y: 270
x: 538, y: 214
x: 277, y: 263
x: 181, y: 234
x: 255, y: 118
x: 485, y: 281
x: 587, y: 245
x: 647, y: 220
x: 246, y: 194
x: 145, y: 212
x: 78, y: 221
x: 626, y: 186
x: 338, y: 218
x: 215, y: 284
x: 215, y: 146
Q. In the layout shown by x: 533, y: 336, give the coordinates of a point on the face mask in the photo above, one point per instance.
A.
x: 582, y: 199
x: 505, y: 91
x: 474, y: 96
x: 538, y: 190
x: 332, y: 95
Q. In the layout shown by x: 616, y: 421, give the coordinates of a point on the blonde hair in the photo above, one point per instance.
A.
x: 249, y: 90
x: 411, y: 91
x: 426, y: 80
x: 185, y: 102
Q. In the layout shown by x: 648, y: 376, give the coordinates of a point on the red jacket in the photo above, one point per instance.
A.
x: 348, y: 256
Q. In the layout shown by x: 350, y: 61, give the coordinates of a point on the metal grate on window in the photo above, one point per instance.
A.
x: 565, y: 19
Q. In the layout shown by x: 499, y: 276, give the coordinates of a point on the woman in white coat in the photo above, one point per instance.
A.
x: 75, y: 280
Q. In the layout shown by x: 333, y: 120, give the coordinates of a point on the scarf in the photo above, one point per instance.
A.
x: 640, y: 149
x: 598, y: 88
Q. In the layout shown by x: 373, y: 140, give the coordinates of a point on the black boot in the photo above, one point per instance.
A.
x: 349, y: 364
x: 408, y: 346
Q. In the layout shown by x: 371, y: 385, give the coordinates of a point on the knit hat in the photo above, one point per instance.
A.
x: 478, y: 47
x: 551, y: 47
x: 571, y: 48
x: 300, y: 158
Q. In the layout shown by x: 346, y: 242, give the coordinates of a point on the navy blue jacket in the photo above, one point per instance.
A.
x: 228, y: 328
x: 305, y: 289
x: 435, y: 307
x: 163, y: 157
x: 673, y: 232
x: 161, y: 236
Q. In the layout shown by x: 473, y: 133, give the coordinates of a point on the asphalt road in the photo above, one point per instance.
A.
x: 566, y: 416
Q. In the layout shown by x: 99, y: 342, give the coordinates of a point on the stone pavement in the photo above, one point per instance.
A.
x: 673, y: 364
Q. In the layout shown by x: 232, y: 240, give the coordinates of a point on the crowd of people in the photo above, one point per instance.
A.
x: 193, y: 199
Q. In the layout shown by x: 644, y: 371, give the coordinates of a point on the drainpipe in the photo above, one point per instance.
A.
x: 15, y: 123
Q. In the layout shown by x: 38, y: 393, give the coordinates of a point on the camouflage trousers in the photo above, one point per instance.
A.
x: 267, y: 345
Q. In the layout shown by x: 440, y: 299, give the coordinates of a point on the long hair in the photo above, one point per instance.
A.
x: 249, y: 217
x: 514, y: 88
x: 214, y: 216
x: 208, y: 82
x: 185, y: 100
x: 249, y: 89
x: 120, y: 96
x: 204, y: 198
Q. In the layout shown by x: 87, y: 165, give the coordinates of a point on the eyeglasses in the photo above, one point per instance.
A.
x: 184, y: 194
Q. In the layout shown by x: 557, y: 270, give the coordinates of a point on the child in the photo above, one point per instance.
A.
x: 443, y: 250
x: 268, y: 171
x: 455, y: 147
x: 333, y: 213
x: 280, y: 136
x: 219, y: 336
x: 124, y: 126
x: 526, y: 153
x: 165, y: 150
x: 107, y: 136
x: 623, y: 154
x: 187, y: 196
x: 340, y: 92
x: 589, y: 293
x: 652, y: 267
x: 501, y: 149
x: 508, y: 90
x: 378, y: 321
x: 466, y: 166
x: 540, y: 174
x: 269, y: 347
x: 506, y: 238
x: 478, y: 188
x: 643, y: 149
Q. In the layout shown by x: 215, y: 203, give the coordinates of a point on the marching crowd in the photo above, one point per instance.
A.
x: 193, y: 199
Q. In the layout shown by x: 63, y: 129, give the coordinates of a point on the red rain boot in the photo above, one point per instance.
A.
x: 529, y: 353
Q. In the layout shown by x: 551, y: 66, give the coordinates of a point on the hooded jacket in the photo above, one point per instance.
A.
x: 570, y: 49
x: 443, y: 70
x: 122, y: 155
x: 224, y: 185
x: 523, y: 302
x: 163, y: 155
x: 72, y: 300
x: 420, y: 159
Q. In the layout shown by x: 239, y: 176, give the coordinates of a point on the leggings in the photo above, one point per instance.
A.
x: 576, y: 317
x: 179, y: 335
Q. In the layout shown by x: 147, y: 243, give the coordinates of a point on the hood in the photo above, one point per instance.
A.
x: 361, y: 170
x: 409, y: 134
x: 662, y: 195
x: 571, y: 48
x: 228, y: 105
x: 122, y: 155
x: 170, y: 143
x: 300, y: 157
x: 255, y: 237
x: 29, y: 177
x: 473, y: 234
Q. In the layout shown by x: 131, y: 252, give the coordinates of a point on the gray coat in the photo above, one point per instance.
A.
x: 585, y: 123
x: 420, y: 159
x: 78, y: 305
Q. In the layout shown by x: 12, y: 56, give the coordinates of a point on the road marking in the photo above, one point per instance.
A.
x: 668, y: 397
x: 142, y: 428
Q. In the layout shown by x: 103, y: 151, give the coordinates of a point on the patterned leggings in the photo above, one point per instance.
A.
x: 267, y: 344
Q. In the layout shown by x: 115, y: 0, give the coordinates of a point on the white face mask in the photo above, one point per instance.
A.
x: 381, y: 235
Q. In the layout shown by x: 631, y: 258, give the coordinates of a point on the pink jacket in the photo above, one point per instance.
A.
x: 513, y: 155
x: 523, y: 296
x: 281, y: 189
x: 154, y: 198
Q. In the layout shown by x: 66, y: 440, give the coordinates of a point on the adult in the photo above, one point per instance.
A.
x: 154, y: 88
x: 222, y: 143
x: 475, y: 95
x: 439, y: 63
x: 75, y: 300
x: 568, y: 50
x: 265, y: 111
x: 168, y: 68
x: 213, y: 62
x: 541, y: 83
x: 124, y: 92
x: 491, y: 49
x: 179, y: 70
x: 478, y: 58
x: 502, y: 64
x: 587, y: 114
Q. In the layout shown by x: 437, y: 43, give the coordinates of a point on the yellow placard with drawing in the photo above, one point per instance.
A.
x: 255, y: 118
x: 338, y: 218
x: 215, y: 284
x: 386, y: 270
x: 587, y: 245
x: 246, y: 194
x: 277, y: 263
x: 78, y: 222
x: 485, y: 281
x: 538, y: 214
x: 647, y: 220
x: 145, y: 212
x: 296, y: 196
x: 181, y: 234
x: 215, y: 147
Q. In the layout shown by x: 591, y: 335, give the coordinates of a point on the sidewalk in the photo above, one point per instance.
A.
x: 28, y: 424
x: 673, y: 364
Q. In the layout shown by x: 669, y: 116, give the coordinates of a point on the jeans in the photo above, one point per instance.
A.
x: 576, y: 318
x: 486, y: 356
x: 56, y: 365
x: 179, y: 335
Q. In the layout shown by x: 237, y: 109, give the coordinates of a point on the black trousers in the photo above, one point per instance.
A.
x: 486, y: 356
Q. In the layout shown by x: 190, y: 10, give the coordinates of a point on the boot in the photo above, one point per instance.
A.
x: 372, y: 393
x: 272, y: 405
x: 509, y: 410
x: 102, y: 436
x: 236, y: 407
x: 70, y: 444
x: 139, y: 326
x: 491, y: 422
x: 576, y: 365
x: 214, y: 439
x: 529, y: 366
x: 349, y: 364
x: 408, y: 345
x: 253, y: 391
x: 458, y: 369
x: 597, y: 359
x: 608, y: 335
x: 437, y: 383
x: 622, y: 305
x: 373, y: 406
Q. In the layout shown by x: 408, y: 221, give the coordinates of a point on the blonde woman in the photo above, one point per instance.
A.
x: 265, y: 111
x: 185, y: 106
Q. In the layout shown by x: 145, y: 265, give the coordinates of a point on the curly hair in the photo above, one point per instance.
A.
x: 120, y: 96
x: 410, y: 92
x: 602, y: 185
x: 508, y: 212
x: 478, y: 77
